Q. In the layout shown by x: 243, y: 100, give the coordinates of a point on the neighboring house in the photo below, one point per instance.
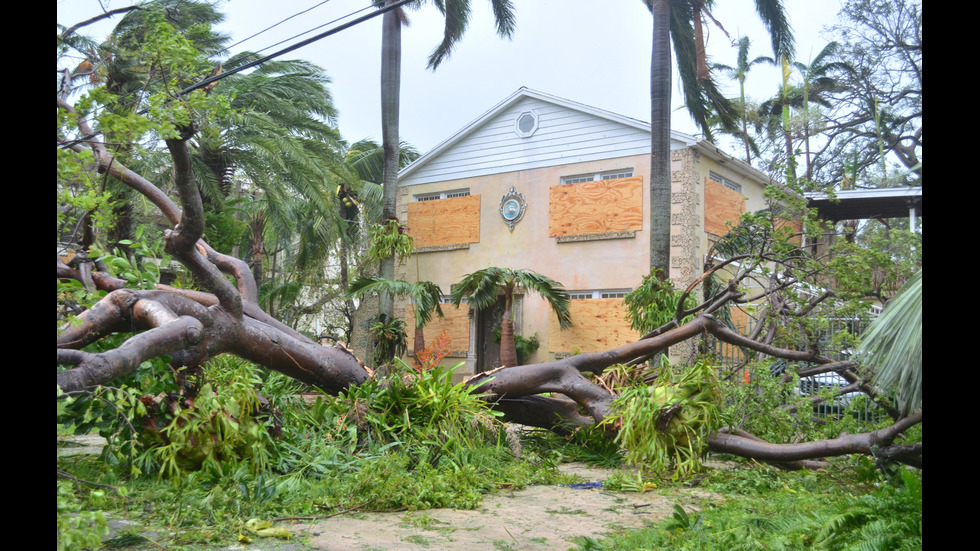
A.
x: 546, y: 184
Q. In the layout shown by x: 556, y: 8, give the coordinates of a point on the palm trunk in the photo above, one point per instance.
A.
x: 418, y: 345
x: 660, y: 138
x: 508, y: 347
x: 391, y: 53
x: 745, y: 126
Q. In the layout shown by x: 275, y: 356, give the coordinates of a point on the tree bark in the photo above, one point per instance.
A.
x: 660, y: 188
x: 391, y: 56
x: 508, y: 346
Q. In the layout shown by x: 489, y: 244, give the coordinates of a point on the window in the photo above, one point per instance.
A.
x: 442, y: 195
x: 599, y: 293
x: 596, y: 176
x: 526, y: 123
x: 725, y: 181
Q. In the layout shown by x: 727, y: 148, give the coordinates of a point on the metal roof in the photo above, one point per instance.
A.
x: 860, y: 204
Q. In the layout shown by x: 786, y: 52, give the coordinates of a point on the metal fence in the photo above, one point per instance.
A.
x: 731, y: 357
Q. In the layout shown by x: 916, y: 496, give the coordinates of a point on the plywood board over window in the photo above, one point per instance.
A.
x: 598, y: 324
x: 451, y: 221
x: 604, y: 206
x: 722, y: 206
x: 455, y: 322
x: 795, y: 225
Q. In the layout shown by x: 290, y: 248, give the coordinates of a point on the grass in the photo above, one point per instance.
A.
x: 765, y: 508
x: 409, y: 446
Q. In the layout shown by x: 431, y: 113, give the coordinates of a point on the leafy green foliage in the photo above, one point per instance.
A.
x: 425, y: 295
x: 768, y: 509
x: 222, y: 424
x: 142, y: 267
x: 664, y: 426
x: 892, y: 347
x: 78, y: 527
x: 390, y: 340
x: 653, y: 303
x: 389, y: 240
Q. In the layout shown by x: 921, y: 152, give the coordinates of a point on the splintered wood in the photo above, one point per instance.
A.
x: 604, y: 206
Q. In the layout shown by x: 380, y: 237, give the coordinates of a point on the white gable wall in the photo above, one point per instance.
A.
x: 564, y: 136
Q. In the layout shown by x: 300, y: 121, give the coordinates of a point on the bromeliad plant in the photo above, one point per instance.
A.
x: 664, y: 427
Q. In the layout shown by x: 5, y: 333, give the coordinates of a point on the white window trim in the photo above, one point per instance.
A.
x: 597, y: 176
x: 597, y: 293
x: 441, y: 195
x: 725, y: 181
x: 534, y: 127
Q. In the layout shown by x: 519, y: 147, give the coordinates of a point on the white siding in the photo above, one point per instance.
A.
x: 563, y: 136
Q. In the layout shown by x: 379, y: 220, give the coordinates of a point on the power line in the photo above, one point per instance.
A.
x: 215, y: 78
x: 296, y: 46
x: 280, y: 23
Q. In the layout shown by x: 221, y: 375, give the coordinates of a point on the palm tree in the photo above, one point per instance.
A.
x: 457, y: 16
x: 482, y: 287
x: 679, y: 22
x: 739, y: 72
x: 818, y: 80
x: 272, y: 155
x: 425, y: 297
x: 359, y: 192
x: 891, y: 347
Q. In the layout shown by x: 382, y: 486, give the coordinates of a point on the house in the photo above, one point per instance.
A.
x: 543, y: 183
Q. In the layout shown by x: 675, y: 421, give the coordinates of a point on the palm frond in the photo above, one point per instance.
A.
x: 426, y: 295
x: 891, y: 348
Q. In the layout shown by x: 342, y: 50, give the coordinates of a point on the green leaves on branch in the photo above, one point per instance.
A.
x: 653, y: 303
x: 665, y: 426
x: 390, y: 240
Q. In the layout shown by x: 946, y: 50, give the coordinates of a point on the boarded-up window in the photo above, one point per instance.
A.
x: 599, y: 324
x: 604, y: 206
x: 794, y: 225
x: 449, y: 221
x: 722, y: 206
x: 455, y: 322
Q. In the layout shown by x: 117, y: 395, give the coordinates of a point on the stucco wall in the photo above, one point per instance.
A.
x: 579, y: 265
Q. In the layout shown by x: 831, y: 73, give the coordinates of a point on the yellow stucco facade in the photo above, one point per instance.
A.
x: 591, y: 235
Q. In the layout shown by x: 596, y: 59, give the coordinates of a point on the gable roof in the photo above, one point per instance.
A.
x: 488, y: 135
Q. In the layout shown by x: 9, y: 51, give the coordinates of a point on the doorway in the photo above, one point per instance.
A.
x: 488, y: 322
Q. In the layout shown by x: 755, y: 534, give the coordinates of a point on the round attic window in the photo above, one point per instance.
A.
x: 527, y: 123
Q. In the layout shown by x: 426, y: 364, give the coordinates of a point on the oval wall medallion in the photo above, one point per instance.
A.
x: 512, y: 207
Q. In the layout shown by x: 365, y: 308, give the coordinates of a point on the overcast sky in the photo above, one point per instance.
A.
x: 589, y: 51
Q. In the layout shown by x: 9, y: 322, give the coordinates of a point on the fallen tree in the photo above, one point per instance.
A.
x: 224, y: 317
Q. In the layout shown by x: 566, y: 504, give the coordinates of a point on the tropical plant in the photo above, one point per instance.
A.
x: 654, y: 303
x: 456, y: 16
x: 524, y: 346
x: 389, y: 338
x: 482, y: 287
x: 818, y: 80
x: 739, y: 73
x: 664, y: 427
x: 891, y: 347
x: 425, y: 298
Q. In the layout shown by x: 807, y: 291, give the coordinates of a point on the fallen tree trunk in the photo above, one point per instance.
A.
x: 193, y: 326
